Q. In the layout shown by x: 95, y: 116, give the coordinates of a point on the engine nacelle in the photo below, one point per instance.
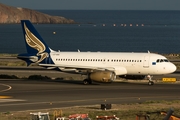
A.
x: 102, y: 76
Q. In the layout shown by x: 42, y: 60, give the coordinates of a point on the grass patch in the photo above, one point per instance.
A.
x: 8, y: 55
x: 16, y: 63
x: 12, y: 63
x: 3, y: 76
x: 38, y: 77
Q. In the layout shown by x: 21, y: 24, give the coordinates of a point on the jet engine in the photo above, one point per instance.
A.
x: 102, y: 76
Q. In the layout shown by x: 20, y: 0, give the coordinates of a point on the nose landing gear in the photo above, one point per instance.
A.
x: 150, y: 80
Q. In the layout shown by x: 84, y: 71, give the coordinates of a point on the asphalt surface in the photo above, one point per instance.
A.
x: 23, y: 94
x: 20, y: 95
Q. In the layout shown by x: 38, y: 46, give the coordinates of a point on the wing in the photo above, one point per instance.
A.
x: 118, y: 70
x: 77, y: 67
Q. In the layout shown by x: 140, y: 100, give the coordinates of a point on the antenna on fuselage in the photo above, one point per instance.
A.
x: 148, y: 51
x: 79, y: 50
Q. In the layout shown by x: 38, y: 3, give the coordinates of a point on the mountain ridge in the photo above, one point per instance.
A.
x: 11, y: 14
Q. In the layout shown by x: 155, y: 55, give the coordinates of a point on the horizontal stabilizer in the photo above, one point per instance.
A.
x: 27, y: 57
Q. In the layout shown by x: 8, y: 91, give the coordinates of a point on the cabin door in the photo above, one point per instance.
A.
x: 146, y: 62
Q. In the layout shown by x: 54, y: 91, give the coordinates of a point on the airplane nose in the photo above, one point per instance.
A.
x: 172, y: 68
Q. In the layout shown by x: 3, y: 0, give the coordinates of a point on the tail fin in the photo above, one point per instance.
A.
x: 37, y: 49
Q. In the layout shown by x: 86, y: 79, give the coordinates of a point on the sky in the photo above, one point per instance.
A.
x: 95, y: 4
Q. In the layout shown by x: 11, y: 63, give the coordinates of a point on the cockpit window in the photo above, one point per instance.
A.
x: 165, y: 60
x: 157, y: 60
x: 161, y: 60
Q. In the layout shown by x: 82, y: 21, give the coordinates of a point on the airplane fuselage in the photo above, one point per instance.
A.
x: 121, y: 63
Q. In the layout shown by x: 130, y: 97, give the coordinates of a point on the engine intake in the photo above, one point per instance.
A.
x: 102, y: 76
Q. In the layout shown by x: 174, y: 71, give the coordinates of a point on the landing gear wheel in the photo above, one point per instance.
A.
x: 87, y: 81
x: 150, y: 83
x: 149, y: 77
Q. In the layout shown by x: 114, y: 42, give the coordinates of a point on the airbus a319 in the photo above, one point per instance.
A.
x: 97, y: 66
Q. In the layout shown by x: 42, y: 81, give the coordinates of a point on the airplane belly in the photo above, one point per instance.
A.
x: 139, y: 70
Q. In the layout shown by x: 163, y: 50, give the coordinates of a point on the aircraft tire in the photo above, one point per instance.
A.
x: 150, y: 83
x: 87, y: 81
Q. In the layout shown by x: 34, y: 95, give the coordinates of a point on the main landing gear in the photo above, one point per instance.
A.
x: 87, y: 81
x: 150, y: 80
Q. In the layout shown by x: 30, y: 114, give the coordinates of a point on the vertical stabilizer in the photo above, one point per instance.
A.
x: 37, y: 49
x: 34, y: 42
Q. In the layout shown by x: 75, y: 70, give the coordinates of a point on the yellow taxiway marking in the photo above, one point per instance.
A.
x: 5, y: 97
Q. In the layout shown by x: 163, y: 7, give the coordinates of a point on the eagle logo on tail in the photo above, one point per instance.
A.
x: 35, y: 43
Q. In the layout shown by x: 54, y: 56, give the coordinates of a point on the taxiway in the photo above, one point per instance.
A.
x: 25, y: 94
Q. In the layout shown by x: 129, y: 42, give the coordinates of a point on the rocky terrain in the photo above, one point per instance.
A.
x: 10, y: 14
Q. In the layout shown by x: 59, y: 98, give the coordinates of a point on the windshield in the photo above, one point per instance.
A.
x: 162, y: 60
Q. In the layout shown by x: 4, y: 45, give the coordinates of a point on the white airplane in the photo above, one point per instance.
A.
x: 97, y: 66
